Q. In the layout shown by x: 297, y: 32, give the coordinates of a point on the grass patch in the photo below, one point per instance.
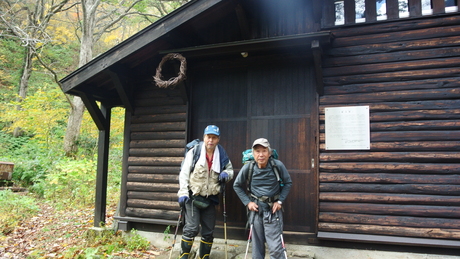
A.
x: 14, y: 208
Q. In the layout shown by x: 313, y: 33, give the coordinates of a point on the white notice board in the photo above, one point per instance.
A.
x: 347, y: 128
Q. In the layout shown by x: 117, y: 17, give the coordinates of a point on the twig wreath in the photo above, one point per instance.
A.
x: 173, y: 81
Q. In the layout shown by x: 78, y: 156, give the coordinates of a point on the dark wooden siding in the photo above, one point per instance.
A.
x: 158, y: 126
x: 276, y: 100
x: 408, y: 183
x: 271, y: 18
x: 156, y: 150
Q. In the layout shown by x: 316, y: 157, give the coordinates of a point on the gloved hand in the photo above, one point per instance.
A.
x: 223, y: 177
x: 182, y: 200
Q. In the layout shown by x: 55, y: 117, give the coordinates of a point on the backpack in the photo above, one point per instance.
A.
x: 196, y: 145
x: 249, y: 158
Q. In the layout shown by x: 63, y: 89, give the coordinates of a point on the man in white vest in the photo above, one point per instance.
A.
x: 200, y: 185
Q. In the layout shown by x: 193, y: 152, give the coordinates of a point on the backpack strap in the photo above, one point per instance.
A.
x: 275, y: 170
x: 249, y: 179
x: 196, y: 155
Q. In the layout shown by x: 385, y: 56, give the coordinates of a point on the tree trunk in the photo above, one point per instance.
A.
x: 73, y: 127
x: 24, y: 83
x: 86, y: 54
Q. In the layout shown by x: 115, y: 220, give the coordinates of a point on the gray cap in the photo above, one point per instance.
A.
x: 261, y: 141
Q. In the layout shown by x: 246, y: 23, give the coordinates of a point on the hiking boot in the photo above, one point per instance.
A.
x: 205, y: 249
x: 185, y: 247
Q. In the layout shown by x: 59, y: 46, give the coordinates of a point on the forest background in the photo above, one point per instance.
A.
x: 48, y: 135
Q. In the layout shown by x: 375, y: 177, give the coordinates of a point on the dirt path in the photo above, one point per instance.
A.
x: 55, y: 233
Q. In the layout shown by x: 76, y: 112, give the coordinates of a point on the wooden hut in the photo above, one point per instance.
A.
x: 269, y: 68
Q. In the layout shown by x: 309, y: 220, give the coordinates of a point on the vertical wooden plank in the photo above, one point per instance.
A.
x: 124, y: 175
x: 371, y: 11
x: 438, y: 6
x: 392, y: 9
x: 328, y: 13
x: 102, y: 169
x: 415, y: 8
x: 317, y: 52
x: 350, y: 11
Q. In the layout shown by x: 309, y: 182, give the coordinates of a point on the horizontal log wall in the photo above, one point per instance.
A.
x: 156, y: 151
x: 408, y: 183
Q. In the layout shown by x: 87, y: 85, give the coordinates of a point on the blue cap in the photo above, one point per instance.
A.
x: 212, y: 129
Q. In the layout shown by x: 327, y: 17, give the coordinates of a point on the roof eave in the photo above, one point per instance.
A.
x: 134, y: 43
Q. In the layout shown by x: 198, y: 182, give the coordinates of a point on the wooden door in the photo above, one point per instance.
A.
x: 274, y: 101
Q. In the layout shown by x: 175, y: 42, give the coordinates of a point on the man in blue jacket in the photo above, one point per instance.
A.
x: 269, y: 184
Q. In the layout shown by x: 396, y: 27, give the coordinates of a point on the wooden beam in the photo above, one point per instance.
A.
x: 371, y: 11
x: 409, y: 145
x: 317, y: 53
x: 415, y: 8
x: 287, y: 42
x: 102, y: 170
x: 147, y: 220
x: 434, y: 211
x: 243, y: 22
x: 388, y: 239
x: 328, y: 19
x: 394, y: 198
x: 122, y: 88
x: 439, y: 6
x: 94, y: 111
x: 142, y: 39
x: 391, y: 230
x: 392, y: 9
x: 424, y: 189
x: 350, y: 11
x: 437, y: 157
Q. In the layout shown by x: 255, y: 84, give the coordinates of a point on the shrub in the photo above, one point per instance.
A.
x: 69, y: 183
x: 32, y: 159
x: 134, y: 241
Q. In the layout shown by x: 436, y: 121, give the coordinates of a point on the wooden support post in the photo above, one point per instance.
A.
x: 124, y: 177
x: 102, y: 169
x: 317, y: 52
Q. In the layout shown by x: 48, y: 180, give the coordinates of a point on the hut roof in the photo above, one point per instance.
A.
x: 198, y: 28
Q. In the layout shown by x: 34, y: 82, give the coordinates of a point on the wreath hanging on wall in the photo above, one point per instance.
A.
x: 173, y: 81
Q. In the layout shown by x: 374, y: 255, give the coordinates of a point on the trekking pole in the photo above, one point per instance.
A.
x: 175, y: 234
x: 225, y: 219
x: 282, y: 239
x: 250, y: 232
